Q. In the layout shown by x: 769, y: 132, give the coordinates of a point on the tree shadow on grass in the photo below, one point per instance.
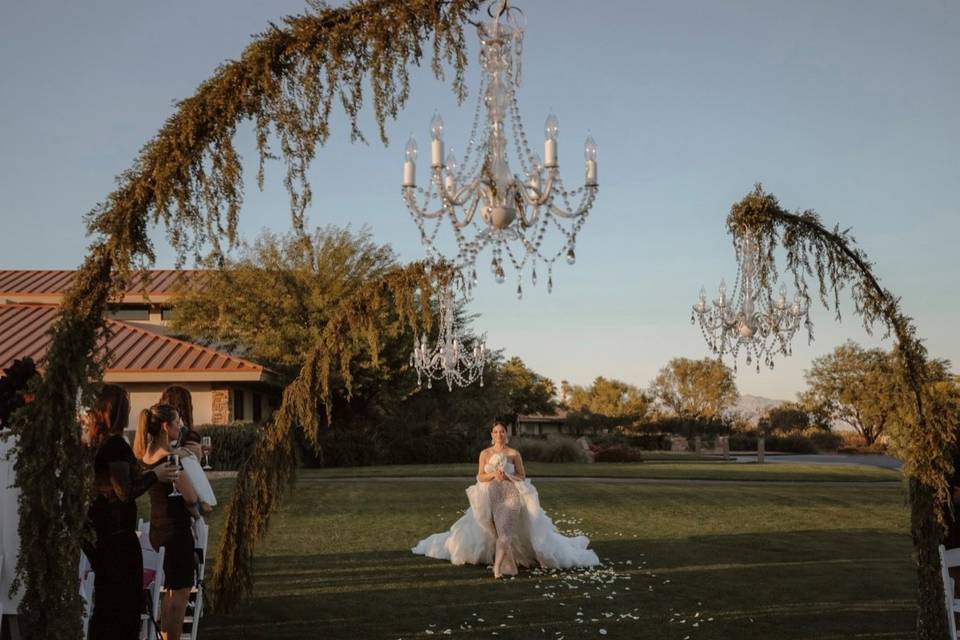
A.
x: 822, y: 584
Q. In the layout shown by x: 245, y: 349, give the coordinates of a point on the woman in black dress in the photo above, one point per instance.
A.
x: 170, y: 516
x: 115, y: 553
x: 180, y: 399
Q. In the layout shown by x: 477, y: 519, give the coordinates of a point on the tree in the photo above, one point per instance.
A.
x: 837, y: 264
x: 272, y: 303
x: 605, y: 403
x: 190, y: 179
x: 862, y: 388
x: 786, y: 416
x: 855, y: 386
x: 696, y: 389
x: 525, y: 391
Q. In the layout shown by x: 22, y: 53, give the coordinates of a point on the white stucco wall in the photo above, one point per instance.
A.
x: 145, y: 394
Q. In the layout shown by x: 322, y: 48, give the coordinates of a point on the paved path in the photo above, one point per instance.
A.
x: 700, y: 481
x: 868, y: 460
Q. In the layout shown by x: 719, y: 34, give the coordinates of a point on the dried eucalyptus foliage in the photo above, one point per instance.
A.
x: 829, y: 262
x: 384, y: 308
x: 189, y: 178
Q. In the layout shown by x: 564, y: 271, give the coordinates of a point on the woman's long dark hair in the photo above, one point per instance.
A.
x: 179, y: 398
x: 111, y: 412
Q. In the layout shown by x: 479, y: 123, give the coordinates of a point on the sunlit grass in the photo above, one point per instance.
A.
x: 761, y: 560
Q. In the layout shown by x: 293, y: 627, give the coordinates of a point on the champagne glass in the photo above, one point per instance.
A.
x: 174, y: 458
x: 206, y: 443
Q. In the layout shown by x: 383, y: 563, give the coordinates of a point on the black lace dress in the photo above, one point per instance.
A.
x: 115, y: 555
x: 170, y: 527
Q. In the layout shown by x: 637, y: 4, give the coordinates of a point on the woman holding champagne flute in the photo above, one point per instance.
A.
x: 171, y: 505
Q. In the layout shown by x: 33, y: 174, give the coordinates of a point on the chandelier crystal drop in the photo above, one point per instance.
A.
x: 517, y: 211
x: 750, y: 319
x: 450, y: 359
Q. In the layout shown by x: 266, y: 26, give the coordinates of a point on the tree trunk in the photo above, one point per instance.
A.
x: 927, y: 534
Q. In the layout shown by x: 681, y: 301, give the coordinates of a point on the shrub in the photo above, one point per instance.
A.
x: 357, y: 447
x: 558, y: 449
x: 790, y: 443
x: 824, y: 440
x: 232, y: 443
x: 617, y: 453
x: 743, y: 441
x: 853, y: 442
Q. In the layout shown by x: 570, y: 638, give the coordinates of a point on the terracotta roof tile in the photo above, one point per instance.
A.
x: 24, y: 331
x: 39, y: 282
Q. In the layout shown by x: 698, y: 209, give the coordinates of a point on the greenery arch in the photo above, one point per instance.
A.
x: 189, y: 178
x: 832, y: 259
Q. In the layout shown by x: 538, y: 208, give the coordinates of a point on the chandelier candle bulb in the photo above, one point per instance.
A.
x: 436, y: 140
x: 409, y: 163
x: 552, y: 130
x: 591, y: 178
x: 590, y: 155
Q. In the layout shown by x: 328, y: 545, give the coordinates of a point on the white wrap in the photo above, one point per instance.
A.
x: 198, y: 479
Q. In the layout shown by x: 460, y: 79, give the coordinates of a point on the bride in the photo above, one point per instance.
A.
x: 505, y: 523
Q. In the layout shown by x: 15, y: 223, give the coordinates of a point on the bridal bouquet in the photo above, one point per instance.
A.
x: 498, y: 461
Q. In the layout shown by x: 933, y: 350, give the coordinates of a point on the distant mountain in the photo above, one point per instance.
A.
x: 751, y: 408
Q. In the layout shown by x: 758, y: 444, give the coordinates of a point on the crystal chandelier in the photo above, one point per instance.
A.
x: 450, y: 360
x: 762, y: 327
x: 516, y: 210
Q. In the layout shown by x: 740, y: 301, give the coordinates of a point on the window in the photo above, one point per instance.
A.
x: 166, y: 315
x: 238, y: 402
x: 131, y: 313
x: 257, y: 407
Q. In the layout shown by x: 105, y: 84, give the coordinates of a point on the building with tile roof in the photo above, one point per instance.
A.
x: 138, y: 353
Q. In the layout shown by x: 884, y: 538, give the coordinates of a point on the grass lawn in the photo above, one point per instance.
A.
x: 719, y: 561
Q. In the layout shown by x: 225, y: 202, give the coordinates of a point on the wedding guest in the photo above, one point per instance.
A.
x: 170, y: 515
x: 14, y: 394
x: 115, y: 553
x: 179, y: 398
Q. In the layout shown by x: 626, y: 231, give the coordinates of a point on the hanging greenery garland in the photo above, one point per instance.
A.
x: 832, y: 260
x: 189, y: 178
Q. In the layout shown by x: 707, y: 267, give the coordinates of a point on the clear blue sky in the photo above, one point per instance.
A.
x: 850, y: 108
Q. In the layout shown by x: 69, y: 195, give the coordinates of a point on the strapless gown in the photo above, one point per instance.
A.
x: 509, y: 513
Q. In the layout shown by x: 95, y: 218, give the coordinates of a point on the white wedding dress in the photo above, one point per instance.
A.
x: 505, y: 520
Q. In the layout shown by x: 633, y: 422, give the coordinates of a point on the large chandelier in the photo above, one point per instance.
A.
x: 450, y: 359
x: 516, y: 211
x: 749, y: 318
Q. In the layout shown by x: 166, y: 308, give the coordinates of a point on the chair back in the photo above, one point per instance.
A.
x: 950, y: 558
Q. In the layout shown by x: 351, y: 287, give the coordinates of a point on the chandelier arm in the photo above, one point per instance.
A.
x: 416, y: 210
x: 469, y: 214
x: 459, y: 197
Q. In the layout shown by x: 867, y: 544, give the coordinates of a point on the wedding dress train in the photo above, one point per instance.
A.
x: 506, y: 526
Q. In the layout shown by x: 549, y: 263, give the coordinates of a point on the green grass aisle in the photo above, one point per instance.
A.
x: 680, y: 560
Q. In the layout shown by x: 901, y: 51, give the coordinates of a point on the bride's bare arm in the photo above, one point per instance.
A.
x: 483, y: 476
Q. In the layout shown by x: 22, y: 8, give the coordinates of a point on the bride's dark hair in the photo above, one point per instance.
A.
x: 503, y: 422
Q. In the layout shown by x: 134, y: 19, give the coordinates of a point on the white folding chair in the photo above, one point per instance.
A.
x: 200, y: 534
x: 152, y: 562
x: 87, y: 578
x: 950, y: 558
x: 1, y: 600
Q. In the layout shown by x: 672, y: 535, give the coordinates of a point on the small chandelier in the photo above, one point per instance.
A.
x: 516, y: 210
x: 763, y: 328
x: 450, y: 360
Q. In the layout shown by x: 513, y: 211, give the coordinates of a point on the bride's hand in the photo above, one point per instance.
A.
x: 501, y: 476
